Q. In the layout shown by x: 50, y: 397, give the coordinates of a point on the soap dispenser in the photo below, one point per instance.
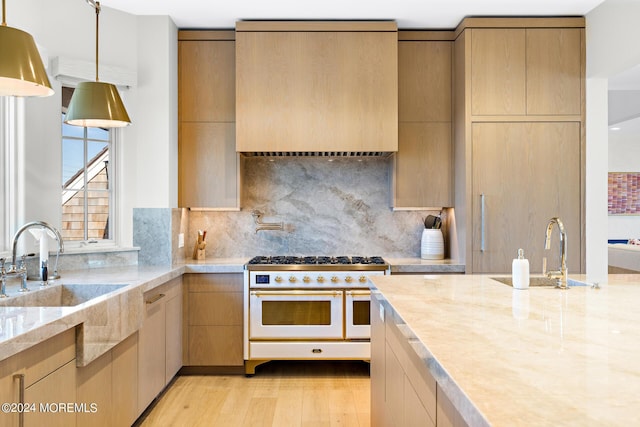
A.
x: 520, y: 271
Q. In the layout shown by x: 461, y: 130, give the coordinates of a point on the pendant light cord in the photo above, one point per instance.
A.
x: 4, y: 10
x: 97, y: 7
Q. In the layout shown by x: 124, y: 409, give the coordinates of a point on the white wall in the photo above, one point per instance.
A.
x: 147, y: 45
x: 624, y: 156
x: 612, y: 46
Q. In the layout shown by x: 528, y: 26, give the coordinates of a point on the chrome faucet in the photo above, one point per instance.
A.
x: 21, y: 270
x: 559, y: 275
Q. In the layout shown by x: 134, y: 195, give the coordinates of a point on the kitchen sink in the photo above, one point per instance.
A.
x: 540, y: 281
x: 59, y: 295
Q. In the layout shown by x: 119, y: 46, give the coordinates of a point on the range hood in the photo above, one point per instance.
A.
x: 316, y: 88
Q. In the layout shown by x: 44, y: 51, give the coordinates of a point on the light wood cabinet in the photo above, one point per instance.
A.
x: 214, y: 320
x: 93, y: 384
x: 526, y: 71
x: 519, y: 138
x: 46, y: 372
x: 422, y: 169
x: 209, y: 167
x: 530, y: 171
x: 124, y: 382
x: 54, y: 391
x: 300, y: 88
x: 159, y: 341
x: 447, y: 414
x: 403, y: 391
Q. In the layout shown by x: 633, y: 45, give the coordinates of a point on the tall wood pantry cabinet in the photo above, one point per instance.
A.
x: 519, y: 113
x: 209, y: 167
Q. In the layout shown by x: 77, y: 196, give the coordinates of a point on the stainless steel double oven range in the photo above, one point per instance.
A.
x: 314, y: 307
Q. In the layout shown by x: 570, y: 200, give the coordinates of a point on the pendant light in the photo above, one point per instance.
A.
x: 22, y: 72
x: 96, y: 104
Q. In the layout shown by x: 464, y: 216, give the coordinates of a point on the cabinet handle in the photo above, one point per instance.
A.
x: 20, y: 378
x: 482, y: 213
x: 155, y: 298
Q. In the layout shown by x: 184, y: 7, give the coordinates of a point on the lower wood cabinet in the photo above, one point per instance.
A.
x: 159, y: 341
x: 403, y: 391
x: 111, y: 382
x: 45, y: 374
x: 213, y: 320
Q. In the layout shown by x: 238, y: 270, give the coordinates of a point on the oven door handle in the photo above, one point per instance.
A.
x: 296, y: 293
x: 358, y: 293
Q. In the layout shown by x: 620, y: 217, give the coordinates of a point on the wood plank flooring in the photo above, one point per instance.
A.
x: 282, y: 393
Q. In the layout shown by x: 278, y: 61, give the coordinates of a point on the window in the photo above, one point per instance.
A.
x: 87, y: 181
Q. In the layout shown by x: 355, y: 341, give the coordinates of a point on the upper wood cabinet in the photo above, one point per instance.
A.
x: 209, y: 168
x: 424, y: 80
x: 526, y: 71
x: 313, y: 86
x: 422, y: 174
x: 207, y: 81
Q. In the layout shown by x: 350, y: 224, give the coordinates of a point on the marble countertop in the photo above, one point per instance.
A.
x: 419, y: 265
x: 540, y: 356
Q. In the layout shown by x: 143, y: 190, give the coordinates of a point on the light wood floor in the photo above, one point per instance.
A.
x: 282, y: 393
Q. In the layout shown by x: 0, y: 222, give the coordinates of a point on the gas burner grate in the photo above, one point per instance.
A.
x: 316, y: 260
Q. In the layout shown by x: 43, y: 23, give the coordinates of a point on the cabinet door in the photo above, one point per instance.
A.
x: 377, y: 363
x: 207, y: 81
x: 498, y: 72
x: 124, y: 382
x: 174, y: 333
x: 424, y: 81
x: 554, y: 64
x: 528, y: 173
x: 151, y: 351
x: 423, y: 166
x: 93, y: 384
x: 56, y: 388
x: 208, y: 165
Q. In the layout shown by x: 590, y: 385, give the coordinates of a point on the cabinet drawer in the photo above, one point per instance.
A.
x: 215, y: 308
x: 228, y: 282
x: 48, y: 356
x: 215, y: 346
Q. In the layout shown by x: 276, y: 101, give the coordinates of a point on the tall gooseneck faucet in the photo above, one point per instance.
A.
x: 560, y: 275
x: 28, y: 225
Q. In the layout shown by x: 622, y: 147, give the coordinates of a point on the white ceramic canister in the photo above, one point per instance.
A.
x: 432, y: 244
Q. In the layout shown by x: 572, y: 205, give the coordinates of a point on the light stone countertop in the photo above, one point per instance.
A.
x: 426, y: 266
x: 107, y: 319
x: 536, y: 357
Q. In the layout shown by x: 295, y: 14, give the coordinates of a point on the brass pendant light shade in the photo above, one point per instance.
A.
x: 22, y: 72
x: 96, y: 104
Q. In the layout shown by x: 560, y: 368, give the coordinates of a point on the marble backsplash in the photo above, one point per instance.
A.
x: 338, y: 207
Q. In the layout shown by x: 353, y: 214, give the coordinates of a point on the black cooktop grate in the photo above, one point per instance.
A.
x: 316, y: 260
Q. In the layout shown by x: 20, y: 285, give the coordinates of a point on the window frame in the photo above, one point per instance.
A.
x: 91, y: 244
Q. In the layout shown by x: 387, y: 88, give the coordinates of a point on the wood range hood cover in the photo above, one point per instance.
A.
x: 316, y: 88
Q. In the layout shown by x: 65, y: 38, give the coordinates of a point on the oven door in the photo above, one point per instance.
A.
x: 358, y: 315
x: 295, y: 314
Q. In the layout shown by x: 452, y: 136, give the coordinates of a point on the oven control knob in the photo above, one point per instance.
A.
x: 306, y: 279
x: 292, y: 279
x: 348, y: 279
x: 334, y: 279
x: 320, y: 279
x: 278, y: 279
x: 362, y: 279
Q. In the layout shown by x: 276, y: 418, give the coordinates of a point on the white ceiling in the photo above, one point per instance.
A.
x: 407, y: 13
